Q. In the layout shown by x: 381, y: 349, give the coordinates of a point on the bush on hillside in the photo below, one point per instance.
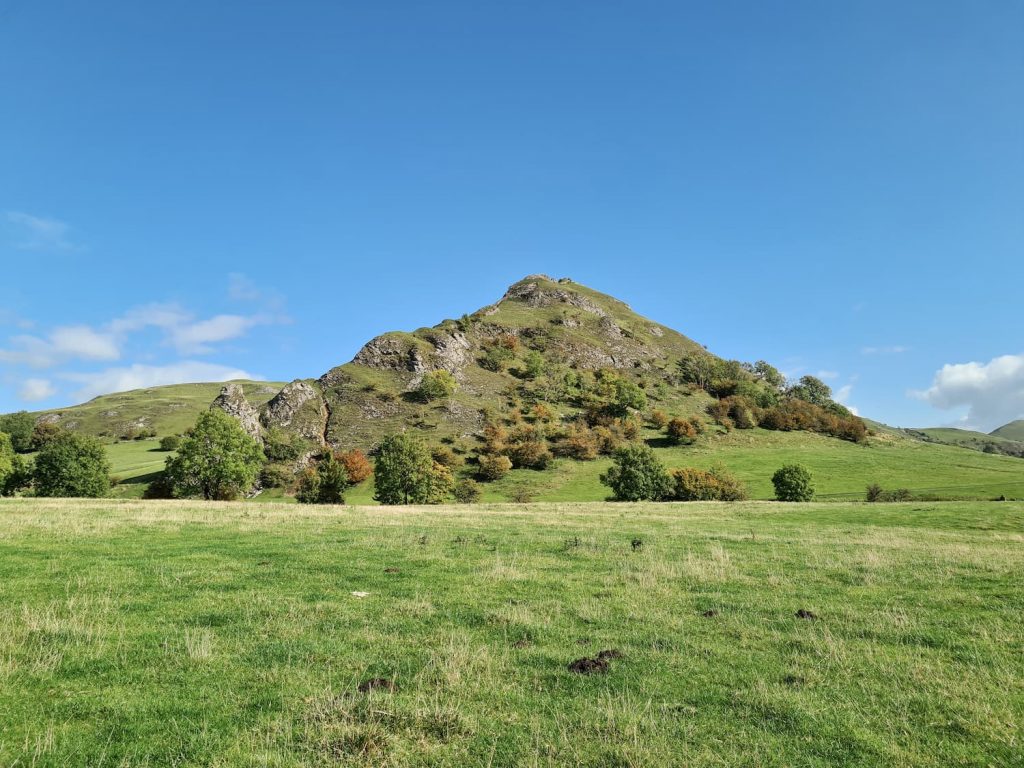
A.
x: 467, y: 491
x: 71, y: 465
x: 170, y: 443
x: 793, y: 483
x: 637, y: 475
x: 281, y: 445
x: 436, y: 385
x: 689, y: 484
x: 444, y: 455
x: 494, y: 466
x: 323, y: 483
x: 578, y: 442
x: 18, y: 426
x: 42, y: 433
x: 357, y: 466
x: 682, y: 431
x: 276, y: 476
x: 658, y: 419
x: 15, y: 473
x: 875, y: 493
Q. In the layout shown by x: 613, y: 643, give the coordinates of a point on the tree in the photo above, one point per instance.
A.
x: 403, y: 471
x: 170, y: 443
x: 356, y: 465
x: 436, y: 385
x: 217, y: 459
x: 467, y: 491
x: 42, y: 433
x: 72, y: 465
x: 618, y: 394
x: 769, y: 374
x: 793, y: 483
x: 325, y: 483
x: 812, y: 390
x: 637, y: 475
x: 19, y: 427
x: 10, y: 465
x: 698, y: 368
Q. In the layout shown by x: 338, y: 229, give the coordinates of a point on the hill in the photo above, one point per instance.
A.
x: 554, y: 375
x: 965, y: 438
x: 1012, y: 431
x: 167, y: 410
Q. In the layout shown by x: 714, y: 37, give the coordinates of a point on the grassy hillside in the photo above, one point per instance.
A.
x: 1012, y: 431
x: 169, y: 410
x: 964, y: 438
x: 842, y: 470
x: 167, y: 633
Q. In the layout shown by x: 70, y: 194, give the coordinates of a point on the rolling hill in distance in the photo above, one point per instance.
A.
x: 531, y: 361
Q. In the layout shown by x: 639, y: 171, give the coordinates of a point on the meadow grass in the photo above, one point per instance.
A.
x: 217, y: 634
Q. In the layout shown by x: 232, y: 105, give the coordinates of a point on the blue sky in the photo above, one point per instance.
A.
x: 195, y: 190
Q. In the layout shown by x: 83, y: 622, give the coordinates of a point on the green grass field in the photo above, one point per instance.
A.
x: 841, y: 470
x: 189, y: 634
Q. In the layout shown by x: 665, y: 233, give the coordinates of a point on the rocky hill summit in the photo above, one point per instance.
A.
x: 541, y: 328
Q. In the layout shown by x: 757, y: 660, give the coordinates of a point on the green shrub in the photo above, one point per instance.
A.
x: 170, y: 443
x: 280, y: 445
x: 276, y: 476
x: 436, y: 385
x: 681, y: 431
x: 405, y: 473
x: 494, y: 466
x: 637, y: 475
x: 18, y: 426
x: 324, y: 483
x: 42, y: 433
x: 467, y: 491
x: 717, y: 484
x: 72, y: 465
x: 793, y: 483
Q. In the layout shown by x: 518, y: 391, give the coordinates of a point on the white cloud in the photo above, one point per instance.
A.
x: 842, y: 396
x: 36, y: 389
x: 195, y: 338
x: 68, y: 342
x: 36, y: 233
x: 895, y: 349
x: 992, y: 392
x: 188, y: 336
x: 139, y: 376
x: 825, y: 375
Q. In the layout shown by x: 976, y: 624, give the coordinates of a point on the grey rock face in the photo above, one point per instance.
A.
x: 297, y: 406
x: 232, y: 401
x: 390, y: 353
x: 533, y: 295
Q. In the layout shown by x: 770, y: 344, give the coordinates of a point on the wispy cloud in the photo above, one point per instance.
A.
x: 33, y: 390
x: 895, y: 349
x: 69, y: 342
x: 121, y: 379
x: 827, y: 375
x: 36, y: 233
x: 992, y: 392
x: 241, y: 288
